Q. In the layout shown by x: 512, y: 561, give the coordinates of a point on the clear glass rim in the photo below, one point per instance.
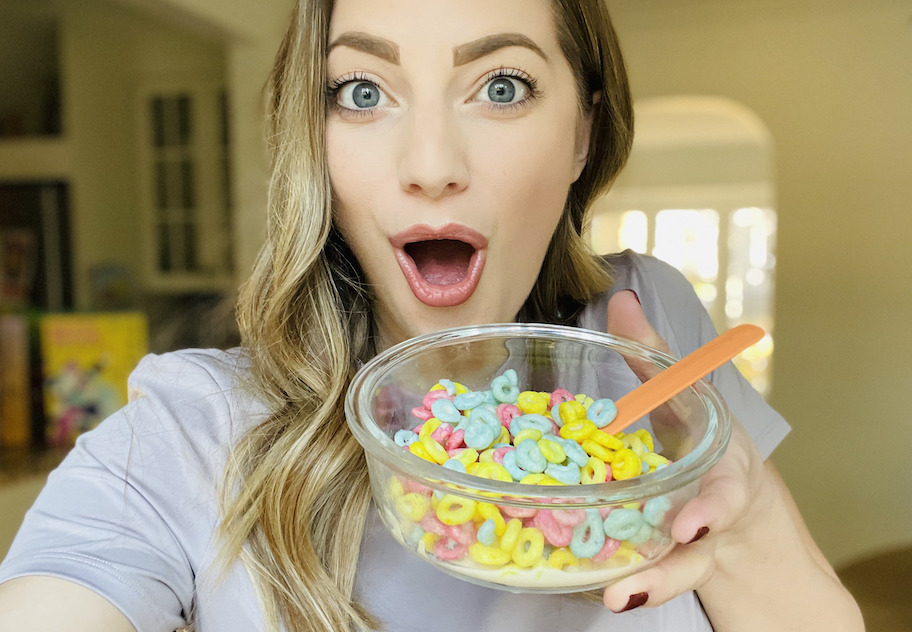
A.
x: 379, y: 446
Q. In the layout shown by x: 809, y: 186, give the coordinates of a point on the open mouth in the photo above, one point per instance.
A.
x: 442, y: 266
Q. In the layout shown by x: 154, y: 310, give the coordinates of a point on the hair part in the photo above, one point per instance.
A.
x: 296, y: 493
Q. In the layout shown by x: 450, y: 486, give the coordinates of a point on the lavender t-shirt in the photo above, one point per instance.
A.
x: 132, y: 511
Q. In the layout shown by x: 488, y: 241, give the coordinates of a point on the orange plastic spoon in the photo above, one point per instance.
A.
x: 659, y: 389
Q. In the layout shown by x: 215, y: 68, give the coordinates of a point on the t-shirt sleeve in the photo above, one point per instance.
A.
x: 675, y: 311
x: 118, y: 515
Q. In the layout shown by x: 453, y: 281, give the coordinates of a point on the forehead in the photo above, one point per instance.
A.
x: 424, y: 24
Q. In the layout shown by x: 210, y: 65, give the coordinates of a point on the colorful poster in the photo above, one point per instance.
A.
x: 86, y: 360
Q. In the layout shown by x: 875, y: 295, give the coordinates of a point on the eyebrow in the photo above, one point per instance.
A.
x: 370, y: 44
x: 469, y: 52
x: 462, y: 54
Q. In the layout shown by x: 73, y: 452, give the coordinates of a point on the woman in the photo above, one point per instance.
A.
x: 433, y: 161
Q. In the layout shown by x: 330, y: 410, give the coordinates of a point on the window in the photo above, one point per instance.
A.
x: 697, y: 193
x: 185, y: 170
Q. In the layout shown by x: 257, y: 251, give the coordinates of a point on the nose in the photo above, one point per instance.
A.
x: 433, y: 157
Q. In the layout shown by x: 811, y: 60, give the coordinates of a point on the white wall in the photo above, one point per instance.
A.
x: 831, y: 80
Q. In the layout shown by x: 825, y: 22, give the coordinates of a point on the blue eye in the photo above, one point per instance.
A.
x: 503, y: 90
x: 360, y: 95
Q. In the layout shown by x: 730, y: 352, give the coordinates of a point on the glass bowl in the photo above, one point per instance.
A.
x: 540, y: 535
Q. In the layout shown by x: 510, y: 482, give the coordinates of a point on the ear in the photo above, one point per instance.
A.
x: 583, y: 136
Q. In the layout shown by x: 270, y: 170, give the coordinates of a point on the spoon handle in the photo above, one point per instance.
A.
x: 683, y: 373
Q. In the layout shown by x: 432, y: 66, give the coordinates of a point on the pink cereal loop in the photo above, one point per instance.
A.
x: 431, y: 523
x: 433, y: 396
x: 443, y: 431
x: 569, y: 517
x: 608, y: 549
x: 517, y: 512
x: 421, y: 413
x: 463, y: 533
x: 449, y: 549
x: 604, y: 511
x: 455, y: 441
x: 411, y: 486
x: 559, y: 396
x: 554, y: 532
x: 500, y: 453
x: 506, y: 413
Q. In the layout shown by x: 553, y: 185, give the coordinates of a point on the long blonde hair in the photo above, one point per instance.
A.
x: 295, y: 495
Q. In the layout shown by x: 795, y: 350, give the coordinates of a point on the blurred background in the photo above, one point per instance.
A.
x: 772, y: 165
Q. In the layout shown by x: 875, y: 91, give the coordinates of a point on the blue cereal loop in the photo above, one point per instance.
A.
x: 404, y: 438
x: 530, y: 458
x: 654, y: 510
x: 449, y: 385
x: 510, y: 374
x: 479, y: 436
x: 567, y: 474
x: 445, y: 410
x: 489, y: 398
x: 602, y: 412
x: 574, y: 451
x: 509, y: 462
x: 469, y: 399
x: 588, y: 536
x: 487, y: 416
x: 530, y: 420
x: 555, y: 415
x: 504, y: 390
x: 641, y: 536
x: 485, y: 533
x: 455, y: 465
x: 622, y: 523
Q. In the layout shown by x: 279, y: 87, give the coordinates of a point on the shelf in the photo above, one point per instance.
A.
x: 34, y: 158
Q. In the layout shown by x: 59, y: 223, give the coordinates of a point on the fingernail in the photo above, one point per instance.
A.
x: 635, y: 601
x: 635, y: 296
x: 700, y: 533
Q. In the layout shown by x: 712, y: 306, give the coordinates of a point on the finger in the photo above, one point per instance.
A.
x: 725, y: 491
x: 625, y: 317
x: 685, y: 569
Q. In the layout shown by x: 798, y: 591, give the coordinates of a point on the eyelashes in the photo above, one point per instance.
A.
x: 503, y: 90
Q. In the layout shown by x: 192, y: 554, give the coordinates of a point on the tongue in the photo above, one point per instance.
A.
x: 441, y: 261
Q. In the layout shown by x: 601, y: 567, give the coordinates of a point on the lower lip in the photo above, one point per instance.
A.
x: 434, y: 295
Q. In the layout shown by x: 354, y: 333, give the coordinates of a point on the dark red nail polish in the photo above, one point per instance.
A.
x: 635, y: 601
x: 700, y: 533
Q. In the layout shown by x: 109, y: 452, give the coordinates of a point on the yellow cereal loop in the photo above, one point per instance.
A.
x: 626, y: 464
x: 504, y: 435
x: 635, y: 443
x: 654, y: 460
x: 419, y: 450
x: 595, y: 471
x: 529, y: 547
x: 551, y: 450
x: 395, y: 487
x: 494, y: 471
x: 547, y: 480
x: 428, y: 540
x: 561, y: 557
x: 488, y: 555
x: 578, y: 430
x: 646, y: 438
x: 532, y: 402
x: 511, y: 534
x: 585, y: 400
x: 592, y: 448
x: 453, y: 510
x: 460, y: 389
x: 532, y: 479
x: 413, y: 506
x: 467, y: 456
x: 571, y: 411
x: 487, y: 456
x: 472, y: 468
x: 528, y: 433
x: 438, y: 387
x: 435, y: 450
x: 428, y: 427
x: 489, y: 511
x: 606, y: 440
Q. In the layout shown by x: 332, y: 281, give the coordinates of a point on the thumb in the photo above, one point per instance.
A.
x: 625, y: 317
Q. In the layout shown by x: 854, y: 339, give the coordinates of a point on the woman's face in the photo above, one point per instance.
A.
x: 452, y: 138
